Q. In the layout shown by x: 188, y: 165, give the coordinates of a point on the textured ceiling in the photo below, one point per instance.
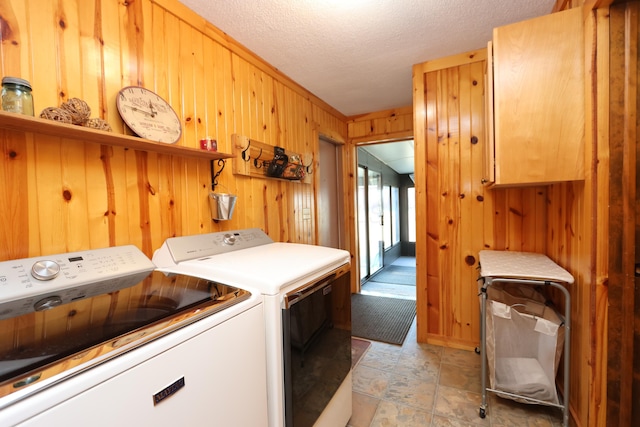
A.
x: 357, y: 55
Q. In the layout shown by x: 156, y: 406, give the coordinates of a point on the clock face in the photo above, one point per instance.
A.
x: 148, y: 115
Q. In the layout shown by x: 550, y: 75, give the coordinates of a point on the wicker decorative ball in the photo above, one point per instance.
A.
x: 78, y: 109
x: 97, y: 123
x: 57, y: 114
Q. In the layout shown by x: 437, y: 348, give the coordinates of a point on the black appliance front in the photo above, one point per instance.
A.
x: 317, y: 346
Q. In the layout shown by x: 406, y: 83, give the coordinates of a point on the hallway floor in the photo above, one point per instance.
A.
x: 380, y: 289
x: 430, y: 386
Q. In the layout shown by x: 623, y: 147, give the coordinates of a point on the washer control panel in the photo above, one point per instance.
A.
x: 41, y: 283
x: 178, y: 249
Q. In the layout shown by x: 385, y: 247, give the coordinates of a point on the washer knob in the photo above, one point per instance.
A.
x: 47, y: 303
x: 229, y: 239
x: 45, y: 270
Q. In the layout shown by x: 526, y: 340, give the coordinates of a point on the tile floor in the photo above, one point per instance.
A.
x: 427, y: 385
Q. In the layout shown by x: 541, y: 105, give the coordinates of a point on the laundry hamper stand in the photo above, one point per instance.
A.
x: 506, y: 271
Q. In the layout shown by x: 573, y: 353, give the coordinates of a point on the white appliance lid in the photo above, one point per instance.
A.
x: 269, y: 268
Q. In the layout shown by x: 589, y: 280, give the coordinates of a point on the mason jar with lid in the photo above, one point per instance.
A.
x: 16, y: 96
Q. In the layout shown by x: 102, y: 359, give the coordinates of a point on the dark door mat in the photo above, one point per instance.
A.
x: 381, y: 319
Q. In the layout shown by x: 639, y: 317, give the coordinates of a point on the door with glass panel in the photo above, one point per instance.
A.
x: 370, y: 221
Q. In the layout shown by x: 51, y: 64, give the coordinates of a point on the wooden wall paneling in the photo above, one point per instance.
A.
x: 132, y: 42
x: 464, y: 315
x: 292, y: 197
x: 91, y: 58
x: 420, y: 105
x: 146, y: 164
x: 39, y: 28
x: 301, y: 143
x: 107, y: 38
x: 449, y: 166
x: 16, y: 57
x: 200, y: 77
x: 129, y: 210
x: 241, y: 123
x: 463, y: 286
x: 506, y: 219
x: 596, y: 197
x: 622, y: 214
x: 166, y: 199
x: 235, y: 122
x: 73, y: 193
x: 194, y: 92
x: 150, y: 216
x: 16, y: 240
x: 380, y: 126
x: 360, y: 128
x: 72, y: 185
x: 309, y: 148
x: 299, y: 192
x: 617, y: 380
x: 188, y: 83
x: 48, y: 179
x: 498, y: 198
x: 471, y: 76
x: 432, y: 303
x: 92, y: 91
x: 69, y: 51
x: 210, y: 71
x: 478, y: 216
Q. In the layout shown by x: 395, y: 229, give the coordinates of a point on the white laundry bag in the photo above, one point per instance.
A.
x: 525, y: 339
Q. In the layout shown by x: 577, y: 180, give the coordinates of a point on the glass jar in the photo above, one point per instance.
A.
x: 16, y: 96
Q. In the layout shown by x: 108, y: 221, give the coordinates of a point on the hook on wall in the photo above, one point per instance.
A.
x: 215, y: 175
x: 307, y: 168
x: 256, y: 164
x: 245, y: 155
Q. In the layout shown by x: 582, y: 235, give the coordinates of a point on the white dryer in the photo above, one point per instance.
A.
x: 306, y: 291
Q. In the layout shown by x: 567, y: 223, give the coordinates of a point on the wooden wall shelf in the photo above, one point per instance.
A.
x: 24, y: 123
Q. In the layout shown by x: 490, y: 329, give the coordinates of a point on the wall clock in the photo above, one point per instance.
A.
x: 148, y: 115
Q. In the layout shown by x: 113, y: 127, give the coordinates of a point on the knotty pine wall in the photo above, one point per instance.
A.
x: 62, y: 195
x: 459, y: 217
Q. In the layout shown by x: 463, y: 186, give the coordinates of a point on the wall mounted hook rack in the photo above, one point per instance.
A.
x: 269, y: 161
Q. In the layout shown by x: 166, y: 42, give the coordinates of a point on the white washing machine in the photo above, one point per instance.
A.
x: 98, y: 338
x: 307, y: 304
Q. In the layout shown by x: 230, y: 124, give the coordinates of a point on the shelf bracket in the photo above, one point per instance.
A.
x: 214, y: 174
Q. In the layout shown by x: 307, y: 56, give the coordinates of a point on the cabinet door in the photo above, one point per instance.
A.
x: 538, y: 76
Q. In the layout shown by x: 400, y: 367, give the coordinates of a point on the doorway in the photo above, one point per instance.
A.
x: 386, y: 218
x: 329, y: 198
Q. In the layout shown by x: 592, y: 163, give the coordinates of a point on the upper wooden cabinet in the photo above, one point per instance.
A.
x: 535, y: 101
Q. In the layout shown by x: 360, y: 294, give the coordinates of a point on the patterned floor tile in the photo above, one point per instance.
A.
x: 425, y: 385
x: 391, y: 414
x: 372, y: 382
x: 364, y: 408
x: 411, y: 391
x: 460, y: 405
x: 462, y: 377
